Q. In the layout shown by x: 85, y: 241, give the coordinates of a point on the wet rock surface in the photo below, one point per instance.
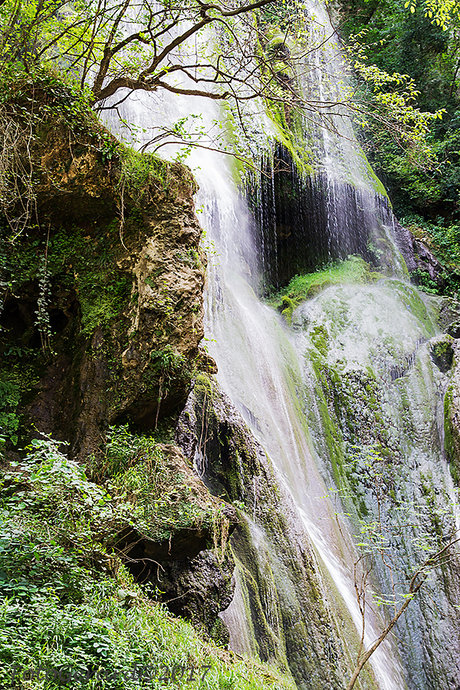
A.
x: 442, y: 352
x: 377, y: 373
x: 277, y: 576
x: 199, y: 589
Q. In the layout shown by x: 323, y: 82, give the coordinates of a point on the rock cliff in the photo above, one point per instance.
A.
x: 101, y: 316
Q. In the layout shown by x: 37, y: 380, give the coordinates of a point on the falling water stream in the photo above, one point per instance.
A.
x: 373, y: 335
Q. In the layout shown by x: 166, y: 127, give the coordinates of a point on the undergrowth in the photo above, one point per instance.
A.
x: 157, y: 496
x: 71, y: 615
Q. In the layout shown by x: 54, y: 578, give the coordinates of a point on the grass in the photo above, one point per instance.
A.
x: 113, y: 641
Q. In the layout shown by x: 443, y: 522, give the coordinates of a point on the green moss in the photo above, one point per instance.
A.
x: 140, y: 170
x: 10, y: 396
x: 372, y: 177
x: 449, y: 440
x: 203, y: 386
x: 287, y: 308
x: 442, y: 352
x: 20, y: 371
x: 77, y: 258
x: 331, y: 434
x: 320, y: 339
x: 158, y: 495
x: 302, y: 287
x: 289, y: 132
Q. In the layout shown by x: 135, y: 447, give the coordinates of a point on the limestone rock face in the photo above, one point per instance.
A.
x: 288, y: 619
x: 101, y: 312
x: 199, y: 589
x: 124, y: 281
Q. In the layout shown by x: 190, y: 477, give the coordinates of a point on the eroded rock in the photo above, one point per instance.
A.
x: 277, y: 573
x: 125, y: 275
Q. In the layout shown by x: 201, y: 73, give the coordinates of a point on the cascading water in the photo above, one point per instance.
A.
x: 354, y: 369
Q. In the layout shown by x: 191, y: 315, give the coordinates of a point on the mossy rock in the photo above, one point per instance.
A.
x: 124, y: 301
x: 442, y: 352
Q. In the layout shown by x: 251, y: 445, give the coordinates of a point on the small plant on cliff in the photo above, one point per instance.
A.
x: 149, y: 490
x: 166, y: 364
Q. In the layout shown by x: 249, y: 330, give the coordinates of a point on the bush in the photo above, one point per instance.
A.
x: 71, y: 616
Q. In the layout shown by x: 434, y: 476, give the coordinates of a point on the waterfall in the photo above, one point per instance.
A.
x: 354, y: 366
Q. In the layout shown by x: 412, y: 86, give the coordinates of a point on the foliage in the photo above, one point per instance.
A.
x: 302, y: 287
x: 443, y: 238
x: 111, y: 46
x: 258, y: 52
x: 64, y: 622
x: 440, y: 12
x: 48, y: 504
x: 42, y: 314
x: 409, y: 43
x: 150, y: 492
x: 10, y: 395
x: 393, y: 96
x: 424, y: 525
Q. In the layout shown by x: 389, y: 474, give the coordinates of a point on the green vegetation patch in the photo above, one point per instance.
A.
x: 302, y: 287
x: 10, y: 396
x: 70, y: 614
x: 158, y: 497
x: 76, y: 258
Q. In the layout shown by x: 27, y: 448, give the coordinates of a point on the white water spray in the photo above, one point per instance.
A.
x: 260, y: 361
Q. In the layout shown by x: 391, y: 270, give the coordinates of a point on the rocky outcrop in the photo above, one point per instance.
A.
x: 101, y: 320
x: 427, y: 264
x: 185, y: 557
x: 278, y: 578
x: 102, y: 312
x: 199, y: 589
x: 420, y: 260
x: 179, y: 541
x: 442, y: 353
